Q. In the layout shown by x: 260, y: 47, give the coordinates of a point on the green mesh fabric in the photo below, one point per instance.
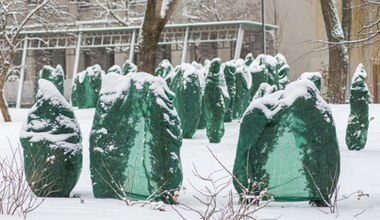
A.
x: 51, y: 141
x: 243, y: 82
x: 282, y: 69
x: 288, y: 144
x: 128, y: 67
x: 357, y: 127
x: 135, y: 139
x: 86, y: 87
x: 54, y: 75
x: 188, y: 98
x: 214, y: 103
x: 229, y: 74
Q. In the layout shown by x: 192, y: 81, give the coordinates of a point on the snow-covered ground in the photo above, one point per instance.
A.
x: 359, y: 171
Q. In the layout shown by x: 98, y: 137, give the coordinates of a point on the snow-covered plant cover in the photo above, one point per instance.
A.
x: 188, y: 98
x: 357, y: 127
x: 54, y: 75
x: 264, y: 89
x: 288, y: 144
x: 128, y: 67
x: 51, y: 140
x: 135, y: 139
x: 259, y: 72
x: 315, y: 77
x: 249, y: 59
x: 243, y: 81
x: 202, y: 73
x: 86, y: 87
x: 282, y: 69
x: 214, y: 103
x: 164, y: 69
x: 114, y: 69
x: 229, y: 71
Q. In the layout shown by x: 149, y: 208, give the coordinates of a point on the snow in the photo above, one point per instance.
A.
x: 164, y: 7
x: 359, y: 171
x: 360, y: 73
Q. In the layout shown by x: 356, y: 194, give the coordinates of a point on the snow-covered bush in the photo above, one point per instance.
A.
x: 188, y: 98
x: 288, y: 144
x: 86, y: 87
x: 51, y: 140
x: 54, y: 75
x: 357, y: 127
x: 135, y: 139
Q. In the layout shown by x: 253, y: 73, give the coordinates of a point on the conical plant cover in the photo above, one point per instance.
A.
x: 51, y: 140
x: 288, y: 144
x: 315, y: 77
x: 249, y: 59
x: 188, y: 98
x: 357, y: 127
x: 243, y: 82
x: 86, y: 87
x: 135, y: 139
x: 128, y: 67
x: 54, y: 75
x: 282, y: 69
x: 259, y: 72
x: 214, y: 103
x: 164, y: 69
x: 202, y: 73
x: 229, y: 74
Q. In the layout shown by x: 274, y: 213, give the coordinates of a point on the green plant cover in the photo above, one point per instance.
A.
x: 51, y: 140
x: 214, y: 103
x: 202, y: 82
x: 128, y: 67
x: 229, y: 71
x: 188, y: 98
x: 164, y: 69
x: 282, y: 69
x: 249, y: 59
x: 54, y: 75
x: 259, y: 72
x: 135, y: 139
x: 86, y: 87
x: 288, y: 144
x: 243, y: 82
x: 315, y: 77
x: 357, y: 127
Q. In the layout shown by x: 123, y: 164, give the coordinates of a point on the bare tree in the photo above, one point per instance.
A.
x: 157, y: 15
x: 221, y: 10
x: 338, y: 55
x: 16, y: 16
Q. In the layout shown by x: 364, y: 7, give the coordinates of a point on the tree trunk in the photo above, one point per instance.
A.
x: 3, y: 104
x: 338, y: 56
x: 151, y: 29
